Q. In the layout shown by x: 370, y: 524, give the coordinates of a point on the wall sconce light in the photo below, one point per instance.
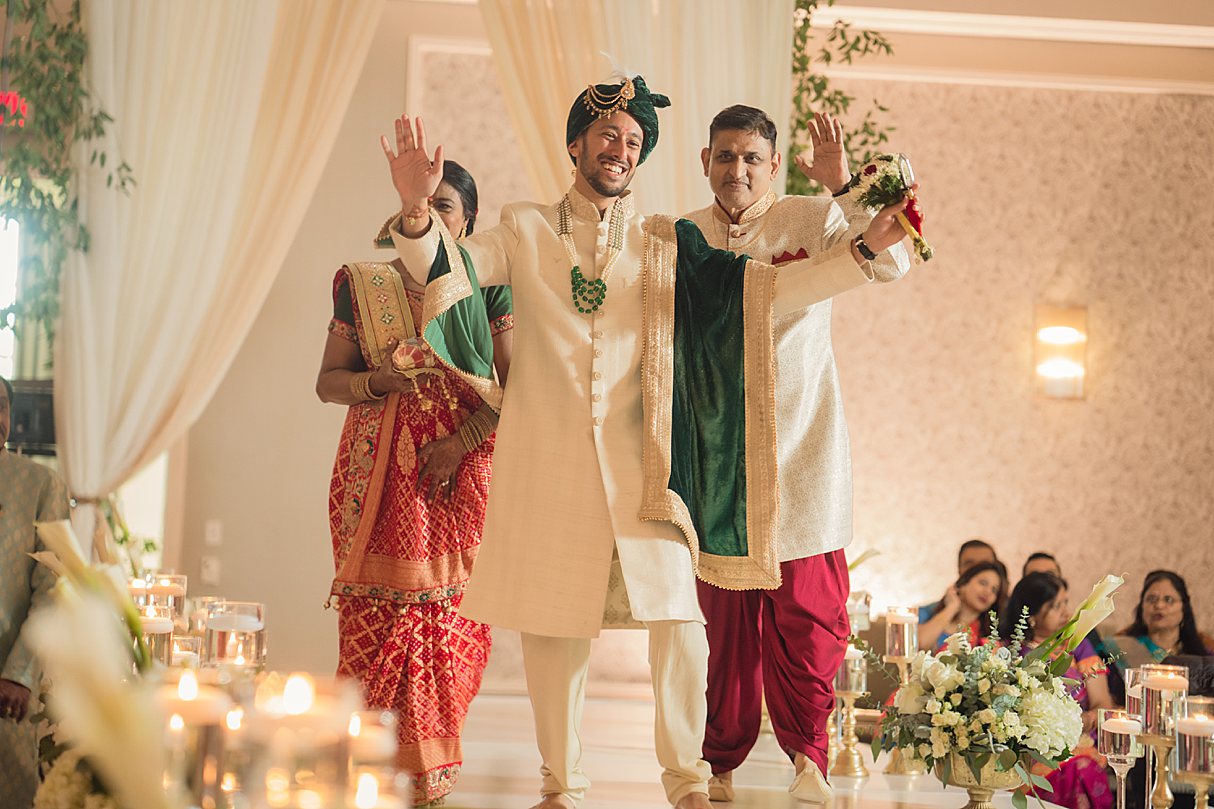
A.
x: 1060, y: 351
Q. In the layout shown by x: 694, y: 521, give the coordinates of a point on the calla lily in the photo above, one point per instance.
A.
x: 1094, y: 609
x: 862, y: 558
x: 61, y: 541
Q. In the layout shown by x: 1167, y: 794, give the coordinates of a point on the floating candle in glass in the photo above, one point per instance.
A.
x: 901, y: 632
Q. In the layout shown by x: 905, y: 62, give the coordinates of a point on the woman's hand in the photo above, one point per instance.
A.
x: 385, y: 379
x: 439, y: 462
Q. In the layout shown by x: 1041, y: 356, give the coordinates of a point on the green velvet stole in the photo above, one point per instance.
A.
x: 460, y: 334
x: 708, y: 420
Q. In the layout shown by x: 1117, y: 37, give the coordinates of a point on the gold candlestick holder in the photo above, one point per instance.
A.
x: 1161, y: 746
x: 832, y: 737
x: 849, y: 764
x: 1201, y: 783
x: 899, y: 764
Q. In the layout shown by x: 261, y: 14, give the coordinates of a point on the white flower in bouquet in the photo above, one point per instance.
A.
x: 1094, y: 609
x: 942, y: 677
x: 1053, y: 721
x: 911, y: 699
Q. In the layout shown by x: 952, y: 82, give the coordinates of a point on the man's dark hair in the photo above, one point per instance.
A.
x: 458, y: 178
x: 1033, y: 557
x: 747, y: 119
x: 975, y: 543
x: 8, y: 386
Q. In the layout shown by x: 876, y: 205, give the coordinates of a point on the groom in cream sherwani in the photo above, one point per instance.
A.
x: 584, y: 441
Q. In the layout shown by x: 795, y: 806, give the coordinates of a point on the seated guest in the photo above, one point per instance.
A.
x: 972, y: 552
x: 1080, y: 782
x: 1041, y: 562
x: 1163, y: 625
x: 967, y: 605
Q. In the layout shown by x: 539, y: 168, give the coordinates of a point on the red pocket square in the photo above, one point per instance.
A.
x: 786, y: 257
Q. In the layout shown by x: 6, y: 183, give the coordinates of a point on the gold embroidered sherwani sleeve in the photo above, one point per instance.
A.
x: 490, y: 250
x: 801, y: 284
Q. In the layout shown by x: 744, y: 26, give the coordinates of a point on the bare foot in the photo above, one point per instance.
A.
x: 693, y: 800
x: 555, y: 800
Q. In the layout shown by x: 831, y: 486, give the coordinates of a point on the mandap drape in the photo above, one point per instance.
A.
x: 226, y: 111
x: 704, y: 54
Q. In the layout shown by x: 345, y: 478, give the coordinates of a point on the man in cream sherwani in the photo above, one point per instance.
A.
x: 784, y: 645
x: 568, y: 467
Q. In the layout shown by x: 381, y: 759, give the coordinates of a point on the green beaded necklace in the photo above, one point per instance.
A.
x: 589, y: 294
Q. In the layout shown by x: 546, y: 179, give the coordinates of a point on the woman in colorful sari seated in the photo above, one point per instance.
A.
x: 1164, y: 625
x: 1040, y: 600
x: 407, y: 496
x: 967, y: 604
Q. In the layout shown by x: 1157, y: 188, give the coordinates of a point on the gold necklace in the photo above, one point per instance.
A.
x: 589, y: 294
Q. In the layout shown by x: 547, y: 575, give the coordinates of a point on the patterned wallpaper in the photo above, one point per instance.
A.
x: 1048, y: 196
x: 1032, y: 196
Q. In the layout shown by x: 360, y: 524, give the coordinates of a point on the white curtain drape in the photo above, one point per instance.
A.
x: 704, y: 54
x: 226, y: 111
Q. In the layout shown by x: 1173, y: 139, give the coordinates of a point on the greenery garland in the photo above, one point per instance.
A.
x: 812, y: 91
x: 43, y: 53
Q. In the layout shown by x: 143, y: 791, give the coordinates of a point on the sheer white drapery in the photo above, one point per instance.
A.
x: 704, y: 54
x: 226, y: 111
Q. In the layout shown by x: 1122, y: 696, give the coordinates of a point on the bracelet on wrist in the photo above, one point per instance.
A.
x: 863, y: 249
x: 417, y: 214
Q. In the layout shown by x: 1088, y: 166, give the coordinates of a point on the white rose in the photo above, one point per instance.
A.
x: 932, y: 706
x: 984, y: 685
x: 910, y: 699
x: 955, y: 699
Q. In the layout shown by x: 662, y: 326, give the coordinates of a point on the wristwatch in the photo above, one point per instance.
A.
x: 864, y: 249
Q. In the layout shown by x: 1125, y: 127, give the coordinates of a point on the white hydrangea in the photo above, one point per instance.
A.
x: 1052, y: 721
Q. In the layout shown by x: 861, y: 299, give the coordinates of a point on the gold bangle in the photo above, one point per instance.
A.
x: 360, y: 386
x: 417, y: 214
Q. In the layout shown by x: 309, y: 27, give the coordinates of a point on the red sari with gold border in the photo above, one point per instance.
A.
x: 402, y: 562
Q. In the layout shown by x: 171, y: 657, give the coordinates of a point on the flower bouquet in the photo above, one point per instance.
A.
x: 991, y: 711
x: 885, y: 181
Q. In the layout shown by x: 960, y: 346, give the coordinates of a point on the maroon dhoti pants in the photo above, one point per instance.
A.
x: 785, y: 644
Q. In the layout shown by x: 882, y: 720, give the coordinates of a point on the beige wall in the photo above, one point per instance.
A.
x: 1033, y: 195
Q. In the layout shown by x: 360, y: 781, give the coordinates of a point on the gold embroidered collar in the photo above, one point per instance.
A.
x: 762, y: 206
x: 584, y: 209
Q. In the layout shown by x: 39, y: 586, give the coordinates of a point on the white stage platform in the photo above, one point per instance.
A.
x: 501, y: 766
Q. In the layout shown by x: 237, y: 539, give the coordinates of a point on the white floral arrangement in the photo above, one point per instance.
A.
x: 989, y: 704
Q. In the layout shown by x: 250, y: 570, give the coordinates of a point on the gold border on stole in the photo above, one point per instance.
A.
x: 760, y: 568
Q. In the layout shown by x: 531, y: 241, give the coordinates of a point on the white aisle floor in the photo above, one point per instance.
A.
x: 501, y: 766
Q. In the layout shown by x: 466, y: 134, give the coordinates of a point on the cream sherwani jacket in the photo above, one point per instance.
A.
x: 814, y: 456
x: 567, y: 475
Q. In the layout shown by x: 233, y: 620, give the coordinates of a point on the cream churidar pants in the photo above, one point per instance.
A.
x: 556, y: 681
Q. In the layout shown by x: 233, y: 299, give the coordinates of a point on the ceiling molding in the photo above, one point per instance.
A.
x: 1053, y: 81
x: 1007, y: 26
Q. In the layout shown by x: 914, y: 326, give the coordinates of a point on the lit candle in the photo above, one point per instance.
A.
x: 1122, y: 726
x: 370, y: 743
x: 196, y: 704
x: 1195, y: 744
x: 1167, y: 682
x: 1195, y: 726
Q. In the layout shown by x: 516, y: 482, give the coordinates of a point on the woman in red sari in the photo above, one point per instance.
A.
x: 407, y: 496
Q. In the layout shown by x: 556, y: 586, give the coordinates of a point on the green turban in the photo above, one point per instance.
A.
x: 600, y: 100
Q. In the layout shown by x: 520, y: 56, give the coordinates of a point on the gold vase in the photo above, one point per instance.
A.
x: 980, y: 789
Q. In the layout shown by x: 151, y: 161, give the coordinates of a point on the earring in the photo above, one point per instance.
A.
x: 463, y: 230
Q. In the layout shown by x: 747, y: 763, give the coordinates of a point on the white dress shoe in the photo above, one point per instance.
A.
x: 810, y: 785
x: 720, y: 787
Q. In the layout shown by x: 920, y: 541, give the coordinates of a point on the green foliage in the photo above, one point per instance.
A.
x: 812, y: 91
x: 44, y: 62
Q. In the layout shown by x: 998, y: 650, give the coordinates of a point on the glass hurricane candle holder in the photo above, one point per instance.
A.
x: 1117, y: 740
x: 1195, y: 755
x: 169, y: 590
x: 901, y: 633
x: 235, y: 635
x: 156, y: 626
